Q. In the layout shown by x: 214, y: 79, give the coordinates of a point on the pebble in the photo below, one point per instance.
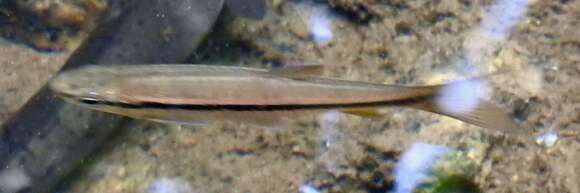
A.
x: 548, y: 139
x: 308, y: 189
x: 170, y: 185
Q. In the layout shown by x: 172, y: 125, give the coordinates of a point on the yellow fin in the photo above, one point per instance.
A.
x: 299, y: 71
x: 363, y: 112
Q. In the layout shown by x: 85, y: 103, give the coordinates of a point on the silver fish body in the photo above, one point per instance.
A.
x: 197, y: 93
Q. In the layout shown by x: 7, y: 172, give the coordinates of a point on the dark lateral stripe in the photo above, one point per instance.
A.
x: 234, y: 107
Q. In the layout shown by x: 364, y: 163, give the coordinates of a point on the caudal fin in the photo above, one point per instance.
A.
x: 463, y: 100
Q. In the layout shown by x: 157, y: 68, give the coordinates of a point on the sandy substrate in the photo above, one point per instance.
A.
x: 401, y: 42
x: 23, y: 71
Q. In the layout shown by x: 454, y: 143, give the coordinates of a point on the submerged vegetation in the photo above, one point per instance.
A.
x: 454, y: 184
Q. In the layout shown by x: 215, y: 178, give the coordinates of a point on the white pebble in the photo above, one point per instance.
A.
x: 415, y: 165
x: 13, y: 180
x: 308, y: 189
x: 320, y: 26
x: 548, y: 139
x: 170, y: 185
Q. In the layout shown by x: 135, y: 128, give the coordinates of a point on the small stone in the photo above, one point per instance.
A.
x: 297, y: 150
x: 121, y: 172
x: 173, y: 185
x: 69, y: 14
x: 97, y: 6
x: 498, y: 62
x: 515, y: 178
x: 299, y: 29
x: 308, y: 189
x: 13, y: 180
x: 187, y: 140
x: 548, y: 139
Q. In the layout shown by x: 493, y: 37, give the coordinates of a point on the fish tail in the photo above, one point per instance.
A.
x: 464, y: 100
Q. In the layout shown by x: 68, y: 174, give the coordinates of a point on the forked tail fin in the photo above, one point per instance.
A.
x: 462, y: 100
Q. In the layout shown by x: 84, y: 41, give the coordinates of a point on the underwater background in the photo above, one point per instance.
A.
x: 417, y: 42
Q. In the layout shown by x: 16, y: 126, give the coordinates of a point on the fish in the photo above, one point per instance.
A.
x: 208, y: 93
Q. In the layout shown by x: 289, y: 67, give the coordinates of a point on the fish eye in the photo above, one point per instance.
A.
x: 89, y: 101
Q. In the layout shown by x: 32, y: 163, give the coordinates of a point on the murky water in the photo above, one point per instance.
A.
x: 530, y: 50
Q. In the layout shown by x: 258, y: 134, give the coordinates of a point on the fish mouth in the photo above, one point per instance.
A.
x: 67, y: 97
x: 59, y: 84
x: 58, y: 91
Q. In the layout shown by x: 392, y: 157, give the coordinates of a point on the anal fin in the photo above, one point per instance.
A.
x: 363, y: 112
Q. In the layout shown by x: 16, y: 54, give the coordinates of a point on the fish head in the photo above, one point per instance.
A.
x: 88, y: 86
